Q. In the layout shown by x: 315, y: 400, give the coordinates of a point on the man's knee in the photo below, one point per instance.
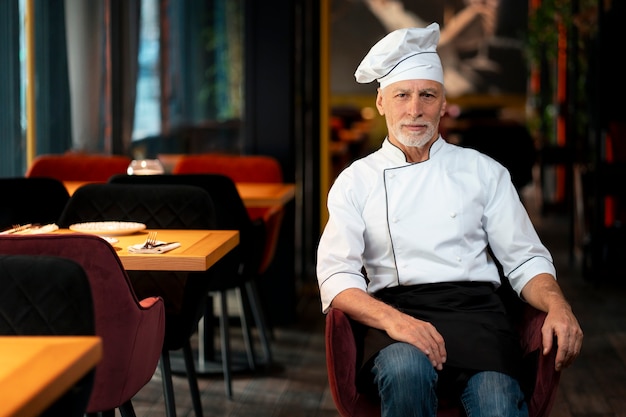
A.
x: 494, y: 393
x: 402, y: 363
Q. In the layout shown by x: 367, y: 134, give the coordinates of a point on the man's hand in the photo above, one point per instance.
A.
x: 420, y: 334
x: 543, y: 293
x: 561, y: 323
x: 399, y: 326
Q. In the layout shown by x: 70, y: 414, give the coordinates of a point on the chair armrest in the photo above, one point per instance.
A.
x: 149, y: 302
x: 546, y: 378
x: 341, y: 360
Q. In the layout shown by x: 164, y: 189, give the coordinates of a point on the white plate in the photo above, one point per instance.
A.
x: 108, y: 228
x: 111, y: 240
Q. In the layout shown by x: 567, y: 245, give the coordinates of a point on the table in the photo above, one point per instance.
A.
x: 253, y: 194
x: 198, y: 251
x: 258, y: 194
x: 37, y: 370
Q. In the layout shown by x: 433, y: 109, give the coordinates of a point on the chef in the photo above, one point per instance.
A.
x: 407, y: 252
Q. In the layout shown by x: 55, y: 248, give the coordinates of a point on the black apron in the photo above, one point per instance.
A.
x: 479, y: 335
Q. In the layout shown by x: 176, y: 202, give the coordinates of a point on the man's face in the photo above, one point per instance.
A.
x: 412, y: 109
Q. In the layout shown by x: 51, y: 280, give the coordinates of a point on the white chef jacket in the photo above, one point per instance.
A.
x: 426, y: 222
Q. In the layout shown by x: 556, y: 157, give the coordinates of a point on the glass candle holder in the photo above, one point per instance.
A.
x: 145, y: 167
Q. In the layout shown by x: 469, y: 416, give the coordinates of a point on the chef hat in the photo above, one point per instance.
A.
x: 404, y: 54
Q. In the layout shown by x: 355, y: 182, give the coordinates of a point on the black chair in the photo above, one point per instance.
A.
x: 36, y: 200
x: 239, y: 272
x: 47, y: 295
x: 185, y: 294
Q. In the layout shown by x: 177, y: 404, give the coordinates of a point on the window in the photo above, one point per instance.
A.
x: 147, y: 105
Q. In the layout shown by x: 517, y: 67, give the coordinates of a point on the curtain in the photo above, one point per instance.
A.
x: 85, y: 56
x: 130, y: 50
x: 12, y: 145
x: 53, y: 115
x: 123, y: 21
x: 102, y: 44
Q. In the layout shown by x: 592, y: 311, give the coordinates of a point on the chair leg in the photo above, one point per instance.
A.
x: 246, y: 329
x: 259, y: 319
x: 192, y: 378
x: 105, y: 413
x: 168, y: 385
x: 225, y: 343
x: 127, y: 409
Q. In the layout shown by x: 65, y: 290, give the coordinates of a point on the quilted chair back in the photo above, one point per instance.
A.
x: 132, y: 331
x: 243, y: 168
x: 42, y: 296
x: 41, y: 200
x: 540, y: 383
x: 73, y: 166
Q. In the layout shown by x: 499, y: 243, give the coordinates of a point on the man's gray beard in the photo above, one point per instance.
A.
x: 420, y: 142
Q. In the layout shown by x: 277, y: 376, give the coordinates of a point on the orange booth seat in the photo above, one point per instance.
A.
x: 243, y: 168
x: 74, y: 166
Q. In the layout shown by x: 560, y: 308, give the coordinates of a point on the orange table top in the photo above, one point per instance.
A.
x: 37, y: 370
x: 198, y: 251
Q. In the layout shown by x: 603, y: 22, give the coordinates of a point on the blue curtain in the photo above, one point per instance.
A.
x: 54, y: 128
x: 12, y: 145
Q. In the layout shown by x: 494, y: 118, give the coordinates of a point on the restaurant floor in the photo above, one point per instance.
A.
x: 296, y: 385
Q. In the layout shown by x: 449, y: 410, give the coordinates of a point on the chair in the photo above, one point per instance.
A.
x: 132, y: 330
x: 74, y: 166
x: 341, y: 363
x: 239, y: 273
x: 41, y: 200
x: 243, y: 168
x: 45, y: 295
x: 184, y: 293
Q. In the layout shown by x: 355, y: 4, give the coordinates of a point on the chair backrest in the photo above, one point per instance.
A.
x: 78, y: 166
x: 341, y: 363
x: 158, y: 207
x: 35, y: 200
x: 132, y: 332
x: 230, y: 210
x: 45, y: 295
x: 240, y: 168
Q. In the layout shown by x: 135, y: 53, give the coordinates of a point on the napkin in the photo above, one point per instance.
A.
x: 166, y: 247
x: 29, y: 229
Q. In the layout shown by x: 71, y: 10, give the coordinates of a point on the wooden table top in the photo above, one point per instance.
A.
x: 265, y: 194
x: 37, y: 370
x: 253, y: 194
x: 198, y: 251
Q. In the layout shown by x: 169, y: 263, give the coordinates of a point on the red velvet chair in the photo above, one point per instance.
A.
x: 74, y: 166
x: 341, y: 357
x: 132, y: 330
x: 243, y: 168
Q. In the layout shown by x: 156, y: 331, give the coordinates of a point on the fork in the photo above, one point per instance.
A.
x: 150, y: 240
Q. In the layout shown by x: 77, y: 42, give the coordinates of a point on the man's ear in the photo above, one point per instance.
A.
x: 444, y: 107
x: 379, y: 102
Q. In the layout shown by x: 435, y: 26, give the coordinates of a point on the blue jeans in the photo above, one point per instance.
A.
x: 407, y: 383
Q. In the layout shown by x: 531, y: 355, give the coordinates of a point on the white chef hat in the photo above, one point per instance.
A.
x: 404, y: 54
